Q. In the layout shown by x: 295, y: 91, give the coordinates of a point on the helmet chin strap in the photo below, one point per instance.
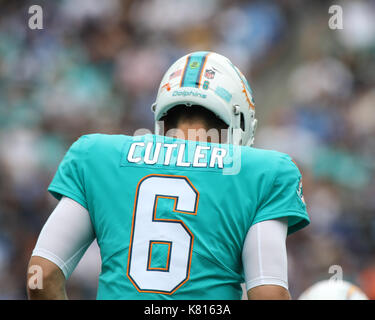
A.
x: 159, y: 128
x: 234, y: 131
x: 159, y: 125
x: 254, y: 128
x: 235, y: 136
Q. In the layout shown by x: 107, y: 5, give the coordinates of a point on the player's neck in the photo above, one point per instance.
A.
x: 195, y: 131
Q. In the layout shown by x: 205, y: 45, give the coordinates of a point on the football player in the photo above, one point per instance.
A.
x: 176, y: 217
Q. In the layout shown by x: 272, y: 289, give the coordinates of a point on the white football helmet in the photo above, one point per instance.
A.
x: 209, y: 80
x: 333, y: 290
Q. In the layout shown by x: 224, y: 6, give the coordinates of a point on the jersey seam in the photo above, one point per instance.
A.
x: 282, y: 213
x: 65, y: 192
x: 171, y: 168
x: 289, y: 213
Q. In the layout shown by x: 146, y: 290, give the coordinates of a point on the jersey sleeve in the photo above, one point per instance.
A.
x: 69, y: 178
x: 284, y: 198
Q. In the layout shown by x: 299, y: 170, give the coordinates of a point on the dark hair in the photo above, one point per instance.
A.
x: 182, y: 112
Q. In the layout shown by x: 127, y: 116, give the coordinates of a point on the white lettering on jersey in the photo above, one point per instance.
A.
x: 151, y: 153
x: 198, y: 155
x: 168, y: 153
x: 131, y: 152
x: 180, y: 157
x: 217, y: 157
x: 148, y: 153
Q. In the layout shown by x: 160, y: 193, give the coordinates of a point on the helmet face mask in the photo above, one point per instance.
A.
x: 209, y: 80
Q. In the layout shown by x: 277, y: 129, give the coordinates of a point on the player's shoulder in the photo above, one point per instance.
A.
x: 101, y: 139
x: 99, y: 143
x: 269, y: 160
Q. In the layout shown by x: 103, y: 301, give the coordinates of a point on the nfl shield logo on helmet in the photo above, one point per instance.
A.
x: 209, y: 74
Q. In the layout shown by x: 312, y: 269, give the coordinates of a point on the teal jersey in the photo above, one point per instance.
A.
x: 171, y: 216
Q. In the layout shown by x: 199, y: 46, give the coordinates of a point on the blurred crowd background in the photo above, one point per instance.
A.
x: 96, y: 67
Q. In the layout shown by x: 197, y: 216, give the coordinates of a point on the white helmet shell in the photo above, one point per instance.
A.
x: 333, y: 290
x: 209, y: 80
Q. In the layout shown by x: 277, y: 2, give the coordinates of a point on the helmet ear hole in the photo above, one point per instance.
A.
x: 242, y: 121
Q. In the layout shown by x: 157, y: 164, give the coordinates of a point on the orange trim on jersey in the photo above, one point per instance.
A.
x: 176, y: 220
x: 132, y: 232
x: 150, y: 256
x: 295, y: 163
